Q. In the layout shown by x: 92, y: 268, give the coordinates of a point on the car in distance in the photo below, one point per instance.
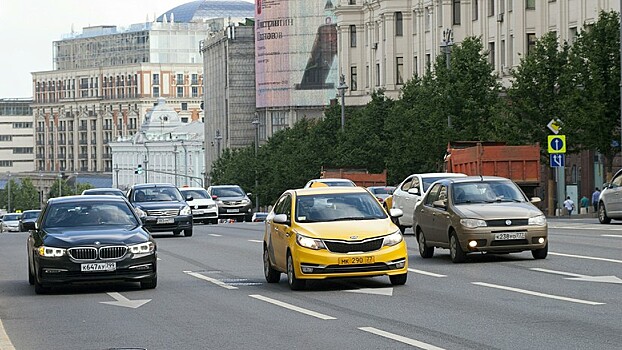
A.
x: 10, y: 222
x: 330, y: 182
x: 204, y: 208
x: 610, y: 200
x: 106, y: 191
x: 28, y: 219
x: 382, y: 193
x: 162, y: 208
x: 410, y: 191
x: 331, y: 232
x: 259, y: 216
x: 90, y: 239
x: 479, y: 214
x: 232, y: 201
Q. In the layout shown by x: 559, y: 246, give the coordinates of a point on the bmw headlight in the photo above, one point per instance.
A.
x: 185, y: 211
x: 51, y: 252
x: 473, y: 223
x: 142, y: 248
x: 310, y: 243
x: 392, y: 239
x: 539, y: 220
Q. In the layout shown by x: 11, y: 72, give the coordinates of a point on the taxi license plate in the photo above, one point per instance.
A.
x: 509, y: 235
x: 95, y: 267
x: 356, y: 260
x: 165, y: 220
x: 233, y: 210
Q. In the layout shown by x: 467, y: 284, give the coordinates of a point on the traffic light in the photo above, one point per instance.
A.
x: 139, y: 169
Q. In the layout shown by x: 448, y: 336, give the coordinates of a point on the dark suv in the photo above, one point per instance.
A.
x: 232, y: 202
x: 162, y: 208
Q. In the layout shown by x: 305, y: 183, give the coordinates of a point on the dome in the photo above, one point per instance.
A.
x: 199, y: 11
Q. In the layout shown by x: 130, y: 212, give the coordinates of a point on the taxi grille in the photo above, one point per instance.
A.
x: 351, y: 247
x: 163, y: 212
x: 92, y: 253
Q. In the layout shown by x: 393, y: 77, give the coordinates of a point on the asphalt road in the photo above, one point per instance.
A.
x: 211, y: 294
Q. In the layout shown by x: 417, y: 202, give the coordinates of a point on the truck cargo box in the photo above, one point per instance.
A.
x: 361, y: 177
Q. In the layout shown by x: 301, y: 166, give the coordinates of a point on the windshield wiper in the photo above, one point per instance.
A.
x: 354, y: 218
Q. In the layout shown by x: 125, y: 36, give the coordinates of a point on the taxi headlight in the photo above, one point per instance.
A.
x: 311, y: 243
x: 51, y: 252
x: 185, y: 211
x: 392, y: 239
x: 473, y: 223
x: 539, y: 220
x: 142, y: 248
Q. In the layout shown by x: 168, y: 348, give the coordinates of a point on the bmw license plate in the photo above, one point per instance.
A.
x: 356, y: 260
x: 95, y: 267
x: 165, y: 221
x: 509, y: 235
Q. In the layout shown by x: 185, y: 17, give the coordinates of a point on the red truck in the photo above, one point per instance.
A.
x: 360, y: 177
x: 518, y: 163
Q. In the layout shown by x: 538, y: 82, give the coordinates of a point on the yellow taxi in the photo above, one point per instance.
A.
x: 329, y: 232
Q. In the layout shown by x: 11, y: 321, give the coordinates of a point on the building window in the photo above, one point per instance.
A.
x: 279, y: 120
x: 455, y: 13
x: 531, y: 42
x: 530, y: 4
x: 428, y: 18
x: 377, y: 74
x: 184, y: 106
x: 415, y: 65
x: 572, y: 35
x: 351, y: 2
x: 156, y: 79
x: 353, y: 78
x: 180, y: 91
x: 156, y: 91
x: 428, y: 61
x: 399, y: 24
x: 22, y: 125
x: 6, y: 163
x: 399, y: 70
x: 511, y: 51
x: 195, y: 91
x: 502, y: 54
x: 352, y: 36
x: 180, y: 79
x: 6, y: 138
x: 367, y: 77
x: 491, y: 53
x: 491, y: 7
x: 475, y: 9
x: 414, y: 17
x: 23, y: 150
x: 195, y: 79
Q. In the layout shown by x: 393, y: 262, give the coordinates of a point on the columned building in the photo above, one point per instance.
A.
x: 383, y: 43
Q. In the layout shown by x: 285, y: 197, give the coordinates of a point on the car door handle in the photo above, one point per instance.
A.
x: 287, y: 234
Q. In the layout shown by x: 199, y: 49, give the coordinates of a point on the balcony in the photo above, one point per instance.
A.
x: 40, y: 142
x: 40, y: 129
x: 70, y: 142
x: 62, y: 142
x: 61, y: 155
x: 107, y: 127
x: 107, y: 155
x: 84, y: 142
x: 40, y: 155
x: 51, y: 142
x: 83, y: 169
x: 83, y: 156
x: 82, y: 128
x: 93, y: 142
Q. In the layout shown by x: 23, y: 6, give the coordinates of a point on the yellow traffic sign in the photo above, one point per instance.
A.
x: 557, y: 144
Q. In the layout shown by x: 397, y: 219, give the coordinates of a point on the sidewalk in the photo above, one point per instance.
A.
x: 574, y: 215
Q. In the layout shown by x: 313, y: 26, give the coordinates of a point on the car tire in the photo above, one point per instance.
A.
x: 540, y: 253
x: 455, y: 250
x: 294, y: 283
x: 31, y: 277
x: 602, y: 214
x: 402, y: 228
x: 150, y: 283
x: 188, y: 232
x: 176, y: 232
x: 425, y: 251
x: 398, y: 280
x: 272, y: 275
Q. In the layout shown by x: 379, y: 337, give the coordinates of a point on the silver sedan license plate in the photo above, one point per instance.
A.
x: 509, y: 235
x: 95, y: 267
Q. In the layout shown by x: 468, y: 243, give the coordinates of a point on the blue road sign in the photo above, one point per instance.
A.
x: 558, y: 160
x: 557, y: 144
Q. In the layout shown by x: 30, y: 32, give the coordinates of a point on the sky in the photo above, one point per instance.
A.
x: 29, y: 27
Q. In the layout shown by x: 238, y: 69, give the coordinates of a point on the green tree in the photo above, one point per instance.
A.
x: 4, y: 195
x: 63, y: 189
x: 25, y: 196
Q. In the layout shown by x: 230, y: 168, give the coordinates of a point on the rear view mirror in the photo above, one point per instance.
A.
x: 440, y: 204
x: 535, y: 200
x: 281, y: 219
x: 414, y: 190
x: 189, y: 198
x: 396, y: 213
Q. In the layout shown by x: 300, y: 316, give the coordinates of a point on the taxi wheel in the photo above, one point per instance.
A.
x: 272, y: 275
x: 149, y: 284
x: 540, y: 253
x: 294, y: 283
x: 424, y: 250
x: 456, y: 252
x: 398, y: 280
x: 188, y: 232
x: 602, y: 214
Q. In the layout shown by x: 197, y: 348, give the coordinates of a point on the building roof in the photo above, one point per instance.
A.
x: 199, y: 11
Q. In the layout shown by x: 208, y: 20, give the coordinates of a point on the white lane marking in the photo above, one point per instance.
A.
x: 292, y: 307
x: 426, y: 273
x: 400, y: 338
x: 375, y: 291
x: 578, y: 277
x: 615, y: 236
x: 214, y: 235
x: 538, y: 294
x: 255, y: 241
x: 125, y: 302
x: 586, y: 257
x: 5, y: 342
x: 209, y: 279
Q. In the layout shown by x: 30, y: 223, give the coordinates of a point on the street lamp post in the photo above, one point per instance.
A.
x: 342, y: 92
x: 9, y: 189
x: 446, y: 44
x: 256, y: 124
x: 40, y: 190
x: 218, y: 137
x: 60, y: 185
x: 75, y: 182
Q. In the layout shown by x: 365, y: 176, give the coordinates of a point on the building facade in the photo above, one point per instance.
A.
x: 16, y: 136
x: 384, y: 43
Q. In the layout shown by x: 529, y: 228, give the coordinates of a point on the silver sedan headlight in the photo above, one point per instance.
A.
x: 392, y: 239
x: 539, y: 220
x: 473, y: 223
x: 185, y: 211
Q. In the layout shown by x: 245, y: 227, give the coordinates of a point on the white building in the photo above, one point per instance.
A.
x: 166, y: 149
x: 16, y: 136
x: 382, y: 43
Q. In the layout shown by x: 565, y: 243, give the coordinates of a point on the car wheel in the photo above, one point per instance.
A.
x: 424, y: 250
x: 398, y: 280
x: 188, y: 232
x: 31, y: 277
x: 150, y: 283
x: 176, y: 232
x: 272, y: 275
x: 602, y: 214
x: 294, y: 283
x: 455, y: 250
x: 402, y: 228
x: 540, y: 253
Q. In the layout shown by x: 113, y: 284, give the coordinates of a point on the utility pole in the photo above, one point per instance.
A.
x: 342, y: 92
x: 255, y: 122
x: 446, y: 44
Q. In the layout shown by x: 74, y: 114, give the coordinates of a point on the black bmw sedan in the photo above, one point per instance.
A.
x: 90, y: 239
